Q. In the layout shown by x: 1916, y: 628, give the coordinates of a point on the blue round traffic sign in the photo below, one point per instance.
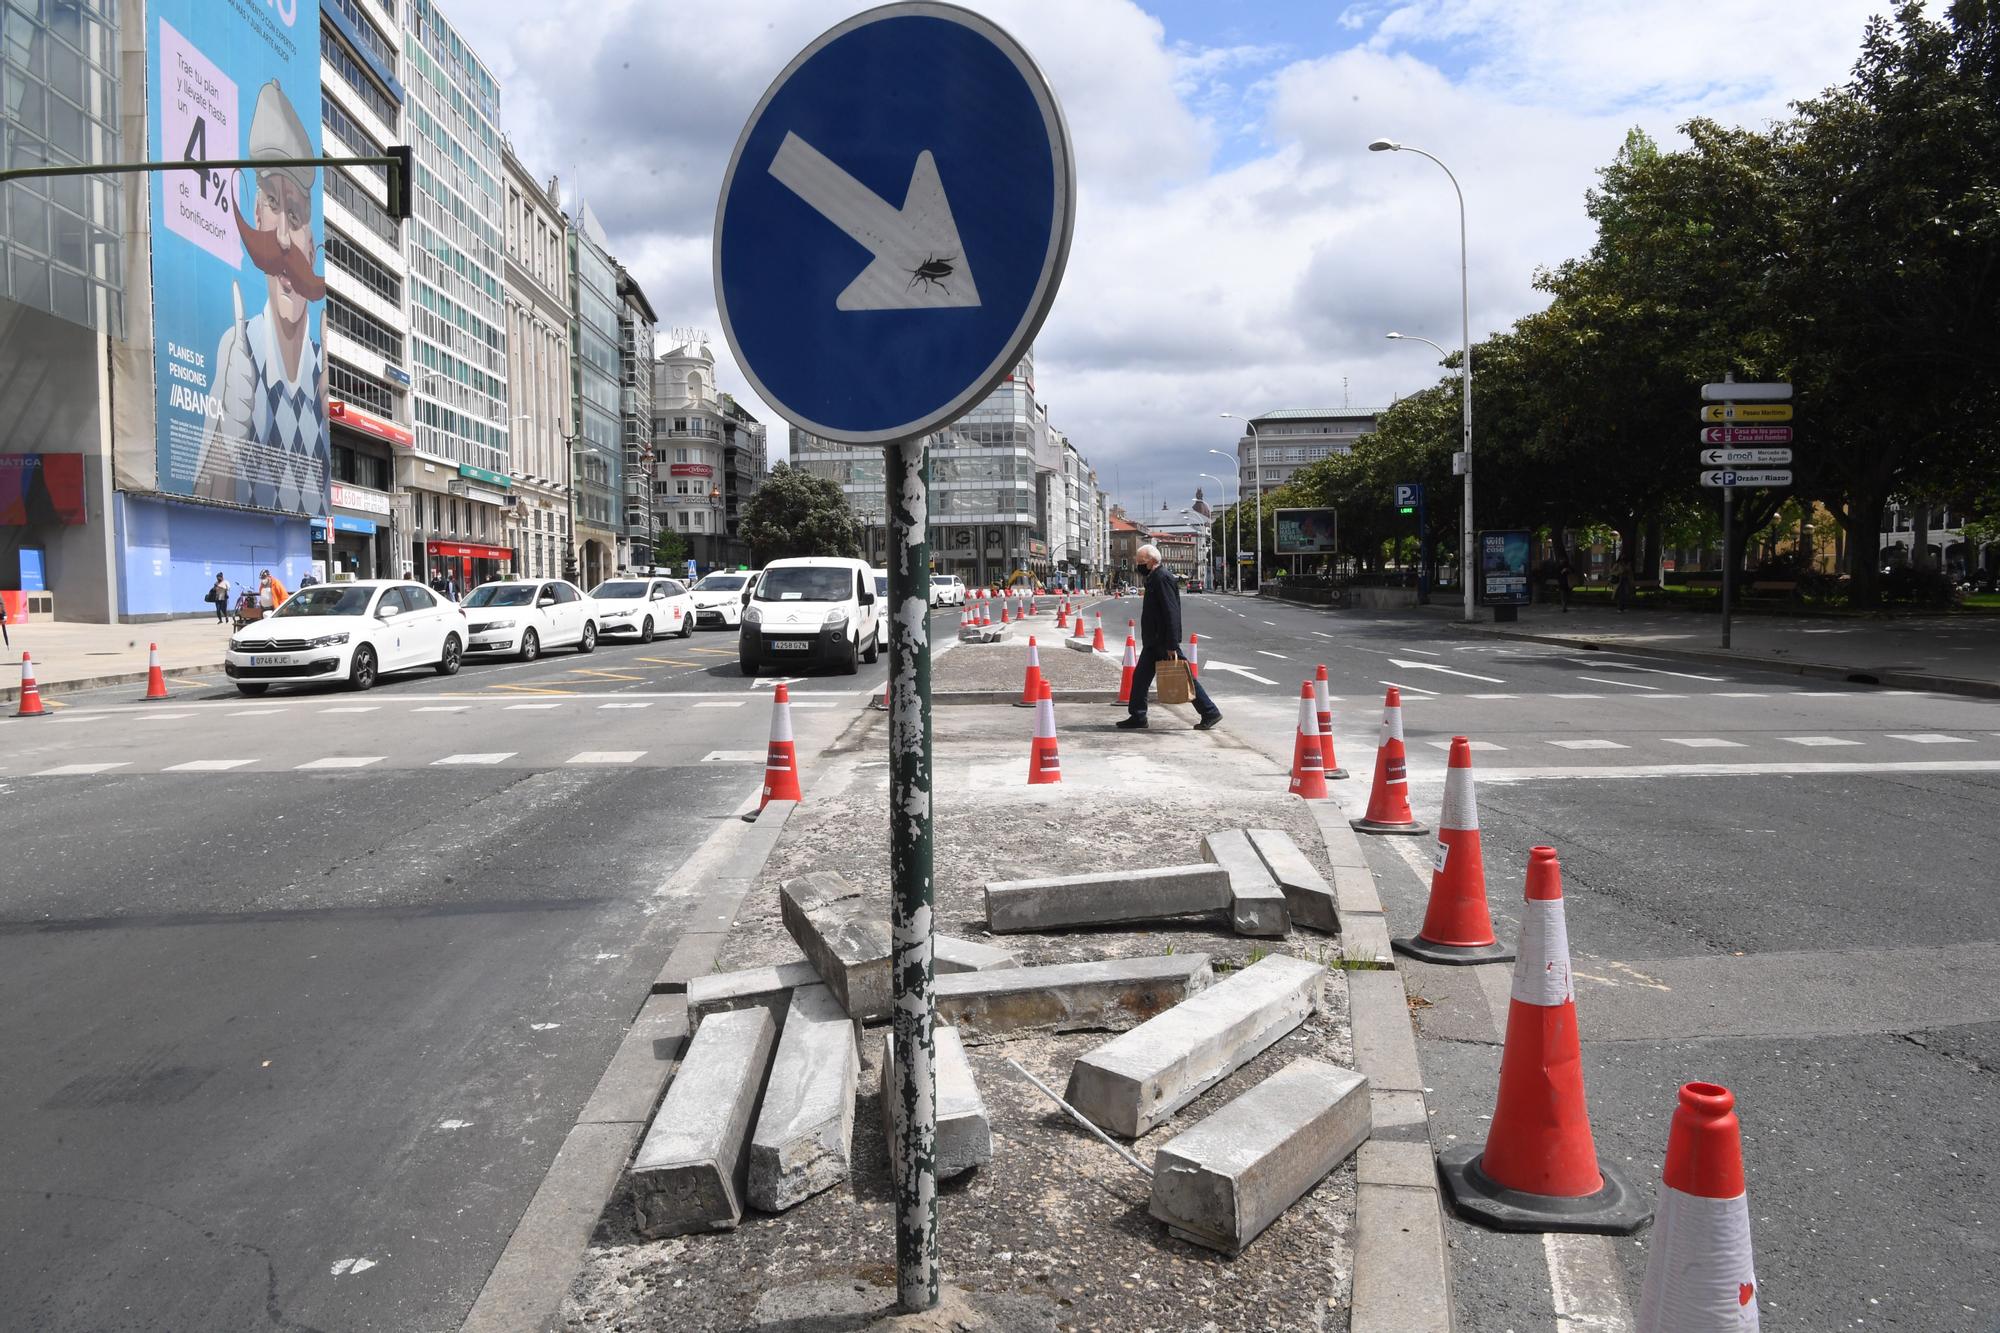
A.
x: 894, y: 223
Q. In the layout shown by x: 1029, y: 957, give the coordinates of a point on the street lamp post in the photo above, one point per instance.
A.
x: 1239, y: 515
x: 1424, y: 538
x: 1465, y: 551
x: 1257, y: 470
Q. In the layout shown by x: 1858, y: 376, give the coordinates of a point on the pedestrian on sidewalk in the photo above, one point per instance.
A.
x: 270, y: 593
x: 1621, y: 575
x: 1565, y: 577
x: 219, y: 594
x: 1159, y: 640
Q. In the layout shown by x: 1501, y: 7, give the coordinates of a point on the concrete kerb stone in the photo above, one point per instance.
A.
x: 630, y: 1087
x: 1112, y: 994
x: 844, y: 932
x: 964, y: 1133
x: 1257, y: 906
x: 951, y: 954
x: 1385, y: 1046
x: 1222, y: 1182
x: 1402, y: 1279
x: 719, y: 992
x: 1308, y: 896
x: 1103, y: 898
x: 804, y: 1138
x: 1132, y: 1082
x: 688, y: 1174
x: 49, y: 689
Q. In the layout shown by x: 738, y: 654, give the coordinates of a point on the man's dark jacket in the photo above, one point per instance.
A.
x: 1160, y: 616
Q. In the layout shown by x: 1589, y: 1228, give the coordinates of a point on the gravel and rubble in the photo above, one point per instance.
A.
x: 1003, y: 665
x: 1054, y: 1232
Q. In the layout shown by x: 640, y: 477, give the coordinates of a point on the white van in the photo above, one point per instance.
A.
x: 812, y: 610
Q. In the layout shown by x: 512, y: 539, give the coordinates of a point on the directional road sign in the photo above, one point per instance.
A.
x: 1771, y: 477
x: 1747, y: 412
x: 894, y: 223
x: 1731, y: 392
x: 1744, y: 457
x: 1746, y: 434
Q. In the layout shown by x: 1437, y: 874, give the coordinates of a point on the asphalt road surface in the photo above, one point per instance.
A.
x: 303, y: 992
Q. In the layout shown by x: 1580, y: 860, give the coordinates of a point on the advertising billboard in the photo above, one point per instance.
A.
x: 238, y: 285
x: 1307, y: 531
x: 41, y: 490
x: 1503, y: 568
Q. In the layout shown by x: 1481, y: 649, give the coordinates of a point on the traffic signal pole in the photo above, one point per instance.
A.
x: 397, y: 160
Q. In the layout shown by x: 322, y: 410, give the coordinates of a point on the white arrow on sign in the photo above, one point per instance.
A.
x: 1238, y: 670
x: 1739, y: 457
x: 1432, y: 666
x: 918, y: 264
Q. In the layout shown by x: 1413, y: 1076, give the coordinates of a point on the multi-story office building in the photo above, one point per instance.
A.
x: 1292, y: 437
x: 745, y: 459
x: 538, y: 372
x: 597, y: 458
x: 688, y: 467
x: 635, y: 415
x: 457, y: 471
x: 367, y: 530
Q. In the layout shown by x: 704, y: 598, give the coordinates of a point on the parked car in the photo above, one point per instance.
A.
x: 525, y: 616
x: 352, y: 632
x: 718, y: 598
x: 947, y: 590
x: 1195, y: 585
x: 815, y: 609
x: 647, y: 607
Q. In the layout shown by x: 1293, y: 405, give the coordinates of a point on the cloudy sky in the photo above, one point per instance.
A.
x: 1237, y: 247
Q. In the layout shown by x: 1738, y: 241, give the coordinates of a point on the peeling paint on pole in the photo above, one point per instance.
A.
x: 911, y: 919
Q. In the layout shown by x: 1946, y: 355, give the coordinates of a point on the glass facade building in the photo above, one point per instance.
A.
x: 597, y: 460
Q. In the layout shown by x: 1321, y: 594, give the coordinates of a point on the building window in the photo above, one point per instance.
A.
x: 365, y: 391
x: 358, y: 263
x: 359, y: 79
x: 354, y: 199
x: 364, y: 328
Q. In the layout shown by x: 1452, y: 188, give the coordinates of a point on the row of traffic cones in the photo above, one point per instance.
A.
x: 31, y: 704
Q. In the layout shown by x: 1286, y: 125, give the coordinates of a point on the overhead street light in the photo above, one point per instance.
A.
x: 1257, y: 470
x: 1236, y: 469
x: 1465, y: 551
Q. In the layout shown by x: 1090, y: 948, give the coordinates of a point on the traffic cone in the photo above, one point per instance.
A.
x: 1389, y: 799
x: 1097, y: 633
x: 1457, y: 927
x: 1324, y: 701
x: 1062, y: 614
x: 1044, y: 764
x: 31, y: 697
x: 1082, y: 630
x: 1194, y: 664
x: 1539, y: 1170
x: 156, y: 683
x: 1125, y: 670
x: 1308, y: 767
x: 781, y: 761
x: 1699, y: 1278
x: 1031, y: 688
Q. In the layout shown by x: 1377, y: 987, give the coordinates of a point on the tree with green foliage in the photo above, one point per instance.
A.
x: 797, y: 514
x: 670, y: 549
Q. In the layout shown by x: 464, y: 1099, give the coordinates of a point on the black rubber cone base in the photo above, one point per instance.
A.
x: 1338, y: 775
x: 1613, y: 1211
x: 1452, y: 955
x: 1365, y: 825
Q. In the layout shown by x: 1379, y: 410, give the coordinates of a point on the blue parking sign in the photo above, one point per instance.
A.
x: 894, y: 223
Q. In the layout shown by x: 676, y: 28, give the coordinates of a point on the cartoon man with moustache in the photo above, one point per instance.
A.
x: 266, y: 438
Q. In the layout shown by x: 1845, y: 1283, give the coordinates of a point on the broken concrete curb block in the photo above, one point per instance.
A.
x: 720, y: 992
x: 1114, y: 993
x: 1307, y: 893
x: 964, y: 1134
x: 1256, y: 903
x: 688, y: 1173
x: 805, y: 1133
x: 951, y: 954
x: 1120, y: 895
x: 844, y: 932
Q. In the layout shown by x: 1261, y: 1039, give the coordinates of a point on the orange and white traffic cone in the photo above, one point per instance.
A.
x: 156, y: 683
x: 1125, y: 670
x: 1194, y: 659
x: 1324, y: 701
x: 1699, y: 1278
x: 1389, y: 799
x: 1082, y: 630
x: 1457, y: 927
x: 1308, y: 766
x: 31, y: 696
x: 1097, y: 633
x: 1538, y: 1170
x: 1031, y: 687
x: 1062, y: 614
x: 1044, y: 764
x: 781, y: 760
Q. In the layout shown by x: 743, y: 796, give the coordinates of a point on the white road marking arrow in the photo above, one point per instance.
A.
x: 1237, y: 670
x: 919, y: 263
x: 1432, y: 666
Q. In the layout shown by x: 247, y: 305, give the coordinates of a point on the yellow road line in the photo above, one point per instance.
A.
x: 530, y: 689
x: 607, y: 675
x: 663, y: 661
x: 715, y: 652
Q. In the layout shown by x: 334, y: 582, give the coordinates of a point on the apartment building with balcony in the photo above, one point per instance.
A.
x: 1292, y: 437
x: 688, y: 440
x: 538, y: 371
x: 636, y: 322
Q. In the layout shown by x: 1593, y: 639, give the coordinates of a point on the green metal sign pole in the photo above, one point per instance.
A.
x: 905, y: 469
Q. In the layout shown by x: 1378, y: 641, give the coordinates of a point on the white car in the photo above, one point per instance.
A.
x: 525, y: 616
x: 351, y: 632
x: 647, y: 607
x: 718, y: 598
x: 947, y: 590
x: 811, y: 609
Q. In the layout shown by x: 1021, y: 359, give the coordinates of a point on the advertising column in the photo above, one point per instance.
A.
x: 240, y: 413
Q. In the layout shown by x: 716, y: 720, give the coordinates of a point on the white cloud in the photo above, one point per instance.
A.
x: 1195, y: 288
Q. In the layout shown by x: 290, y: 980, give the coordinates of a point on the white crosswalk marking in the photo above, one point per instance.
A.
x: 733, y: 757
x: 1589, y: 745
x: 1817, y: 740
x: 1492, y: 696
x: 444, y: 708
x: 161, y: 717
x: 493, y: 758
x: 1576, y: 696
x: 605, y: 757
x: 516, y: 708
x: 207, y: 765
x: 638, y: 705
x: 344, y: 761
x: 354, y: 708
x: 1477, y: 745
x: 1930, y: 738
x: 1740, y: 694
x: 717, y: 703
x: 81, y: 717
x: 256, y: 712
x: 79, y: 770
x: 1703, y: 742
x: 1280, y: 656
x: 1628, y: 684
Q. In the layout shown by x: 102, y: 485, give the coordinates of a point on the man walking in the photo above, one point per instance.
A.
x: 1160, y: 639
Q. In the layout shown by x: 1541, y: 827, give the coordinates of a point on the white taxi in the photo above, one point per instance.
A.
x: 645, y: 606
x: 525, y: 616
x: 348, y: 632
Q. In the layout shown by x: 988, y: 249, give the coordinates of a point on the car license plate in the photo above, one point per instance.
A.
x: 790, y: 645
x: 273, y: 659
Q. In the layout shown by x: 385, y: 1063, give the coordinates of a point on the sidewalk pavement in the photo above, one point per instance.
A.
x: 1949, y: 654
x: 73, y: 655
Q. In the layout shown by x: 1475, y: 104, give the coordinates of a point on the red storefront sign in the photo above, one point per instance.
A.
x: 352, y: 417
x: 471, y: 549
x: 690, y: 470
